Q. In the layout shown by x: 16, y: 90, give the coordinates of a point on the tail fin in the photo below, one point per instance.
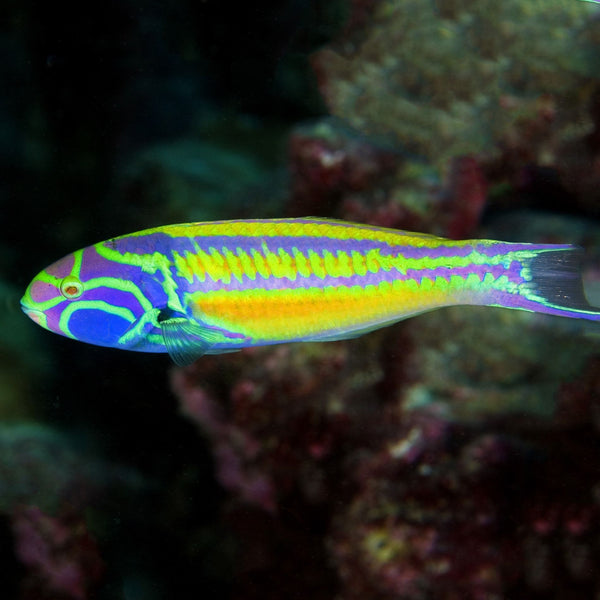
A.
x: 552, y: 284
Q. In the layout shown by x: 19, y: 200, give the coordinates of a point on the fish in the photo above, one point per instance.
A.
x: 212, y: 287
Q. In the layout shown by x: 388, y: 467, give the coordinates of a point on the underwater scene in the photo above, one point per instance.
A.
x: 244, y: 216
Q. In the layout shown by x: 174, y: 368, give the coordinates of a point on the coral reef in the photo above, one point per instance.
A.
x: 410, y: 505
x: 306, y: 391
x: 578, y: 165
x: 60, y: 555
x: 503, y: 95
x: 446, y: 512
x: 454, y: 78
x: 467, y: 362
x: 329, y: 163
x: 47, y: 486
x: 338, y: 172
x: 280, y: 422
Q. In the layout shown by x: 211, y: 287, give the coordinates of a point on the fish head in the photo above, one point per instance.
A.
x: 92, y: 298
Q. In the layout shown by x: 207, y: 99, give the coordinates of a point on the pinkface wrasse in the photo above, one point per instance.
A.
x: 215, y: 287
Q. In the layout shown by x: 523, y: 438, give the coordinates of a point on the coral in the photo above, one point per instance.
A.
x: 501, y: 95
x: 399, y: 535
x: 463, y: 77
x: 280, y: 422
x: 478, y: 363
x: 39, y: 468
x: 61, y: 557
x: 467, y: 364
x: 46, y: 488
x: 466, y: 193
x: 335, y: 171
x: 578, y: 165
x: 314, y: 443
x: 578, y: 400
x: 459, y: 514
x: 314, y: 407
x: 329, y: 162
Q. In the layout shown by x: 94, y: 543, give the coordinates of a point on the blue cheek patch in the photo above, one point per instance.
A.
x: 97, y: 327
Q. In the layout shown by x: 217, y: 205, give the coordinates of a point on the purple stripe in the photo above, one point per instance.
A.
x: 165, y: 244
x: 61, y: 268
x: 95, y: 265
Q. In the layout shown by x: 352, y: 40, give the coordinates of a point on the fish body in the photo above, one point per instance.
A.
x: 215, y: 287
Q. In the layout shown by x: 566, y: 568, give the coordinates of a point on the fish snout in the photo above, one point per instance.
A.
x: 37, y: 316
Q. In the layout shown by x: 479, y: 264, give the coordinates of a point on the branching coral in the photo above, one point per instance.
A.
x: 461, y: 77
x: 336, y: 171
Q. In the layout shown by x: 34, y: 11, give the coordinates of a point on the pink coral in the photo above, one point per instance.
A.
x: 253, y: 460
x: 454, y: 78
x: 476, y: 516
x: 233, y: 448
x: 509, y: 86
x: 337, y: 172
x: 465, y: 197
x: 61, y: 557
x: 329, y: 162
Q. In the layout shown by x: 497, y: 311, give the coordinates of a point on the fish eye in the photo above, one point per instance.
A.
x: 71, y: 287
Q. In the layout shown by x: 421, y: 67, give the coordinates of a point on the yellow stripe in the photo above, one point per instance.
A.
x: 291, y: 314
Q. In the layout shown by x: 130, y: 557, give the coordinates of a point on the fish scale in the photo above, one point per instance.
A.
x: 198, y: 288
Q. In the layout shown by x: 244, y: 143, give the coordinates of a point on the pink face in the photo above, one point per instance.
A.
x: 90, y: 298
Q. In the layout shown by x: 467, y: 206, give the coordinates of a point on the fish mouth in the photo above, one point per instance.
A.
x: 37, y: 316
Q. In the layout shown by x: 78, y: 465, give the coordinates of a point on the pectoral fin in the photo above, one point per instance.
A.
x: 186, y: 341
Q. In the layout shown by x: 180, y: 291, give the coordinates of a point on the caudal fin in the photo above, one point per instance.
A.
x: 552, y: 284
